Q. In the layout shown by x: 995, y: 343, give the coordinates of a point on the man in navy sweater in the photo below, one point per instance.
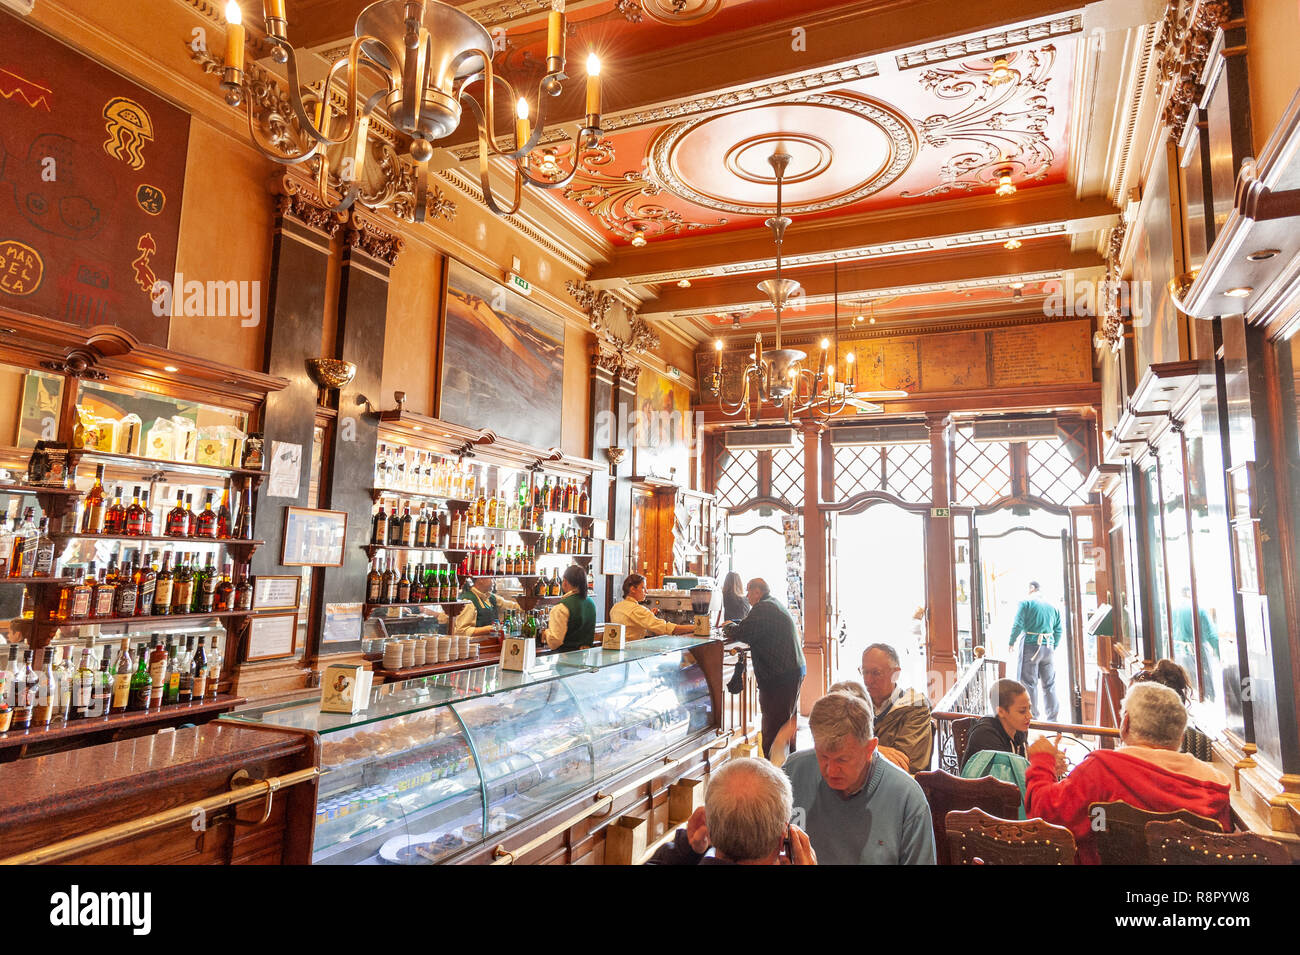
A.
x: 857, y: 807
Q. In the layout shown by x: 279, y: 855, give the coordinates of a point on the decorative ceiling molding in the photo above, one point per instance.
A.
x: 1112, y: 326
x: 681, y: 12
x: 1006, y: 124
x: 1183, y: 45
x: 618, y: 201
x: 985, y: 43
x: 1145, y: 65
x: 902, y: 139
x: 780, y: 89
x: 614, y: 353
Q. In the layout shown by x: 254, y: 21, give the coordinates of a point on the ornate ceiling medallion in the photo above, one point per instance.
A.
x: 681, y: 12
x: 714, y: 161
x: 1005, y: 122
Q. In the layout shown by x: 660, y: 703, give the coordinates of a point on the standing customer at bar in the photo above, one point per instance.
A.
x: 735, y: 607
x: 572, y: 625
x: 779, y: 666
x: 1040, y: 623
x: 640, y: 620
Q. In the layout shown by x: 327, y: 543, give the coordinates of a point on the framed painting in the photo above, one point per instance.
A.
x: 503, y: 361
x: 662, y: 423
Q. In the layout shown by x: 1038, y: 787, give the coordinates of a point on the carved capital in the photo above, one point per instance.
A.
x: 1186, y: 35
x: 299, y: 202
x: 1112, y: 326
x: 364, y: 234
x: 614, y: 353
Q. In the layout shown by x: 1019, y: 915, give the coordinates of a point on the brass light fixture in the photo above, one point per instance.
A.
x: 1001, y: 72
x: 423, y: 56
x: 330, y: 372
x: 1005, y: 186
x: 1011, y: 244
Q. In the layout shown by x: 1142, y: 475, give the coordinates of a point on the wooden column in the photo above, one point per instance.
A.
x: 369, y: 252
x: 620, y: 502
x: 815, y: 615
x: 605, y: 434
x: 940, y: 554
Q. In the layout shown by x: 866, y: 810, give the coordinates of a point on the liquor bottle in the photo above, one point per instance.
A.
x: 115, y: 516
x: 205, y: 588
x: 92, y: 515
x: 453, y: 584
x: 172, y: 689
x: 373, y: 580
x: 418, y: 592
x: 387, y: 582
x: 82, y: 704
x: 162, y: 593
x: 199, y: 672
x: 379, y: 534
x: 157, y: 671
x: 43, y: 563
x: 222, y: 525
x: 584, y: 501
x: 141, y: 682
x: 47, y: 691
x: 103, y: 701
x: 79, y: 596
x: 26, y: 686
x: 24, y: 552
x: 550, y: 540
x: 148, y: 513
x: 191, y: 519
x: 244, y: 526
x: 183, y: 585
x: 380, y: 456
x: 185, y: 665
x: 135, y: 515
x: 225, y: 591
x: 404, y: 586
x: 207, y: 522
x: 492, y: 516
x: 63, y: 676
x: 480, y: 508
x: 545, y: 501
x: 122, y: 672
x: 104, y: 591
x: 406, y: 532
x: 177, y: 522
x: 215, y: 659
x: 421, y: 533
x: 127, y: 591
x: 243, y: 599
x: 146, y: 580
x: 6, y: 547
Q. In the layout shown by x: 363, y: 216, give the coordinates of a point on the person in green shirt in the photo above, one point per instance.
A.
x: 1040, y: 624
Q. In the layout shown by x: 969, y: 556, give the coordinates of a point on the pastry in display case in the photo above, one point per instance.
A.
x: 434, y: 766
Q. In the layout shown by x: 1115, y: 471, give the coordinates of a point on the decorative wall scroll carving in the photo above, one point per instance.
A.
x: 619, y: 201
x: 1183, y: 45
x: 77, y: 363
x: 365, y: 234
x: 1005, y: 124
x: 614, y: 352
x: 630, y: 9
x: 1112, y: 326
x: 300, y: 202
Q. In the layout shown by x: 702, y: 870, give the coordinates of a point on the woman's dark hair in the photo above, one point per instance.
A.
x: 576, y: 577
x: 1167, y: 673
x: 1006, y: 692
x: 630, y: 581
x: 731, y: 586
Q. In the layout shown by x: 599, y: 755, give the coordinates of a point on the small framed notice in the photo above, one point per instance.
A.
x: 313, y: 537
x: 276, y: 593
x: 342, y: 623
x: 612, y: 557
x: 272, y: 636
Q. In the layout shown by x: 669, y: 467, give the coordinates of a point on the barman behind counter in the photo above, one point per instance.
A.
x: 482, y: 610
x: 640, y: 620
x: 572, y: 624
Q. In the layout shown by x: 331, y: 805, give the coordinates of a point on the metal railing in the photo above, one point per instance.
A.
x: 740, y: 710
x: 968, y: 697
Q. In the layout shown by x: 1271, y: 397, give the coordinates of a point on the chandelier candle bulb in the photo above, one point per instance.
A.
x: 555, y: 35
x: 522, y: 130
x: 234, y: 37
x: 273, y: 9
x: 593, y: 89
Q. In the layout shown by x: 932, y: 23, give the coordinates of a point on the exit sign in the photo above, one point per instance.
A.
x: 519, y: 284
x: 939, y: 512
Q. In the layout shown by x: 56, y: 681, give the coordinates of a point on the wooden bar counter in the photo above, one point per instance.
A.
x: 62, y: 796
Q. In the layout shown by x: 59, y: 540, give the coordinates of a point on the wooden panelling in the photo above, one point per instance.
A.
x: 412, y: 330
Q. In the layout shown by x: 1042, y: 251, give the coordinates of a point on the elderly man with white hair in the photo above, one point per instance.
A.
x: 1147, y: 772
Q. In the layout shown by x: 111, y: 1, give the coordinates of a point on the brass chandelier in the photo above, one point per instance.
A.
x: 422, y: 57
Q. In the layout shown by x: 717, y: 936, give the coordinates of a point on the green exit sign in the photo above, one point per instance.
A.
x: 939, y: 512
x: 520, y: 284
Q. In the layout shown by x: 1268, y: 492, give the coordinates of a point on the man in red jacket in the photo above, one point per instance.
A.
x: 1146, y: 772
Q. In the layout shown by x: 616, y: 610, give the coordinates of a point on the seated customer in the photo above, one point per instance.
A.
x: 1147, y: 771
x: 1168, y: 673
x: 1008, y: 729
x: 745, y: 818
x: 902, y: 716
x: 859, y: 809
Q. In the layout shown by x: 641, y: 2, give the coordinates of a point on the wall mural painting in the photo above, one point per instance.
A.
x: 663, y: 428
x: 91, y: 172
x: 503, y: 361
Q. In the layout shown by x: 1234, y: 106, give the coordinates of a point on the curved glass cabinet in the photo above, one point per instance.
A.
x: 436, y: 763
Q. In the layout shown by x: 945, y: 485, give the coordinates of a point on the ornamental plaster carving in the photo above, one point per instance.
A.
x: 986, y: 43
x: 1182, y: 47
x: 365, y: 234
x: 615, y: 353
x: 301, y: 203
x: 1112, y: 327
x: 1005, y: 125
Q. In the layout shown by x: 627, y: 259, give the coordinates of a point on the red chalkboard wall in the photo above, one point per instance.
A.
x: 91, y: 172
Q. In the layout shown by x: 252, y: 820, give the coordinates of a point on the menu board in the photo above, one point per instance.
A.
x: 1042, y: 354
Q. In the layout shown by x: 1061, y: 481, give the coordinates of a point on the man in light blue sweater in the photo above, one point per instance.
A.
x: 857, y: 808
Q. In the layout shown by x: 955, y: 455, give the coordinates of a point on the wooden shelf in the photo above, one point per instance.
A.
x: 452, y: 503
x: 559, y: 554
x: 15, y: 489
x: 155, y: 538
x: 139, y: 618
x: 38, y: 581
x: 371, y: 548
x: 133, y: 462
x: 485, y: 530
x: 430, y: 604
x: 581, y: 517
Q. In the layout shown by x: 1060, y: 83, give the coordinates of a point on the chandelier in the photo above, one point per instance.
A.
x: 420, y: 58
x: 777, y: 376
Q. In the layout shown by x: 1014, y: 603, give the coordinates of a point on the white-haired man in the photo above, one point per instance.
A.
x: 857, y: 807
x: 746, y: 820
x: 1147, y: 771
x: 901, y: 714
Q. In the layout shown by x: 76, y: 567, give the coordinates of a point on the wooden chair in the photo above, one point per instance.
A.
x: 976, y: 838
x: 1121, y: 838
x: 946, y: 793
x: 1177, y: 843
x: 960, y: 735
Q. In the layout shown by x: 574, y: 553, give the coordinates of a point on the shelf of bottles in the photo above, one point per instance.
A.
x: 488, y: 522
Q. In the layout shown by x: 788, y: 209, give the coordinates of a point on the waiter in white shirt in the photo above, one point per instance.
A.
x: 483, y: 609
x: 640, y: 620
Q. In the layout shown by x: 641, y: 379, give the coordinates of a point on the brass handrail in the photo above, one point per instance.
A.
x: 1076, y: 729
x: 247, y: 792
x: 503, y: 856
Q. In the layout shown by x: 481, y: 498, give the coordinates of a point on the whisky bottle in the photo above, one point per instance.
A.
x: 24, y: 552
x: 93, y: 512
x: 191, y: 519
x: 47, y: 692
x: 127, y: 592
x: 244, y: 526
x: 185, y: 666
x: 373, y: 582
x: 225, y: 593
x: 141, y: 683
x: 420, y: 535
x: 406, y: 530
x: 178, y: 522
x: 103, y: 702
x: 208, y: 588
x: 584, y: 502
x: 43, y: 563
x: 146, y: 581
x: 243, y: 599
x: 162, y: 593
x: 480, y: 508
x: 215, y: 659
x: 148, y: 513
x: 379, y: 534
x: 222, y: 523
x: 26, y: 686
x: 386, y: 582
x: 157, y: 671
x: 79, y: 600
x: 104, y: 591
x: 183, y: 585
x: 82, y: 704
x: 404, y: 586
x: 172, y: 688
x: 123, y: 669
x: 207, y: 522
x: 199, y: 671
x: 115, y: 516
x: 135, y: 515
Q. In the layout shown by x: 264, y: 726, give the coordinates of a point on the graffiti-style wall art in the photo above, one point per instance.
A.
x: 91, y: 172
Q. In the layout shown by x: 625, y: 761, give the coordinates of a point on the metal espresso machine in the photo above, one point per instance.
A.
x: 701, y: 604
x: 685, y: 606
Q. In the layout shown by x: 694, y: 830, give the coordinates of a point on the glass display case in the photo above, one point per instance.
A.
x: 435, y: 766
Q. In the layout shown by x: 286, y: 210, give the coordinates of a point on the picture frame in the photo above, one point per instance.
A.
x: 272, y: 637
x: 1242, y: 504
x: 313, y: 537
x: 272, y: 592
x: 613, y: 558
x: 1248, y: 556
